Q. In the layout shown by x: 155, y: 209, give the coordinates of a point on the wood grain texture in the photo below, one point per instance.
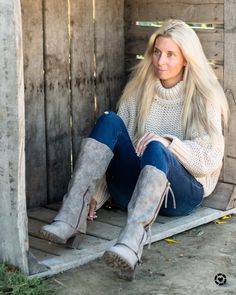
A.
x: 42, y: 214
x: 230, y: 89
x: 82, y: 70
x: 109, y: 53
x: 59, y: 250
x: 222, y: 198
x: 13, y: 218
x: 41, y: 255
x: 194, y: 11
x: 200, y: 216
x: 36, y: 170
x: 57, y: 90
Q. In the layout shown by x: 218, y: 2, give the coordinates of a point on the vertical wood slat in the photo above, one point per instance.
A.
x: 82, y: 70
x: 57, y: 92
x: 36, y: 170
x: 109, y: 52
x: 13, y: 218
x: 230, y: 88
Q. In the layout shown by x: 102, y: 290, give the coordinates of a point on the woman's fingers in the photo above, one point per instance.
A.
x: 144, y: 141
x: 92, y: 207
x: 141, y: 143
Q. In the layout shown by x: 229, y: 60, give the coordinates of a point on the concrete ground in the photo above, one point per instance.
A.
x: 186, y: 267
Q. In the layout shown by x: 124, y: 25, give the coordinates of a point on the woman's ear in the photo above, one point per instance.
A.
x: 185, y: 62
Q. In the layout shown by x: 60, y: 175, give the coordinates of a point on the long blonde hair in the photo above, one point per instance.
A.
x: 200, y: 82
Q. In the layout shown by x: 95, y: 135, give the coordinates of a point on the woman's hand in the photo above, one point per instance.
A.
x: 92, y: 207
x: 146, y: 139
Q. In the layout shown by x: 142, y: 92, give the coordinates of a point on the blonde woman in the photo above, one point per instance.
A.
x: 165, y: 144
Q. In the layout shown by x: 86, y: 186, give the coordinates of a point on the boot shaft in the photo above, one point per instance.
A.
x: 92, y: 162
x: 143, y: 208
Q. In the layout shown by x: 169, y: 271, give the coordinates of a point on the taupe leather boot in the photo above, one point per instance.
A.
x: 146, y: 201
x: 93, y: 160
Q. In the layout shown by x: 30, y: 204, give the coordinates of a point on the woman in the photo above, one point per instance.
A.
x: 165, y: 141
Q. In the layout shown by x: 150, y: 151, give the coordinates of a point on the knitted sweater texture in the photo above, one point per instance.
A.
x: 200, y: 156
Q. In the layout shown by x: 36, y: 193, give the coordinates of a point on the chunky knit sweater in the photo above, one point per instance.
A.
x: 199, y: 156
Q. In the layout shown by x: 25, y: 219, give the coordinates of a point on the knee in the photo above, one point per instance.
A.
x: 109, y: 115
x: 110, y: 118
x: 155, y: 148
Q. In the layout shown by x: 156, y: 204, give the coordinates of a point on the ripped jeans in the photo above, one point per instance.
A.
x: 123, y: 171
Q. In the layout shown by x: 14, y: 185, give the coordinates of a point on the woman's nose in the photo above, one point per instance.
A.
x: 161, y: 59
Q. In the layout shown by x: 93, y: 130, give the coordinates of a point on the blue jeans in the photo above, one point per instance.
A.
x: 123, y: 171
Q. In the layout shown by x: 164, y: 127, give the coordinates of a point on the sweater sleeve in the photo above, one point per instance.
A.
x: 202, y: 155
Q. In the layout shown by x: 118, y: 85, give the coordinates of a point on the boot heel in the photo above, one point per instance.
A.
x: 121, y: 257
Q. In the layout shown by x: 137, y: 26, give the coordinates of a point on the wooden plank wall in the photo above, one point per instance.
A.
x: 74, y: 70
x: 205, y: 11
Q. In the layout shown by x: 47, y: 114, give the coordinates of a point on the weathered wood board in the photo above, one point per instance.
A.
x: 102, y: 233
x: 35, y: 120
x: 13, y: 216
x: 223, y: 197
x: 82, y: 70
x: 57, y: 97
x: 193, y: 11
x: 109, y: 53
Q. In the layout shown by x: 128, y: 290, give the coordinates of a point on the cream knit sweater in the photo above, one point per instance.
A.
x: 199, y: 156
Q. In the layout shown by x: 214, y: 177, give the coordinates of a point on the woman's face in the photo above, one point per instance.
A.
x: 168, y: 61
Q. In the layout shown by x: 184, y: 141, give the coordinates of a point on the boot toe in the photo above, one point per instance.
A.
x: 58, y: 232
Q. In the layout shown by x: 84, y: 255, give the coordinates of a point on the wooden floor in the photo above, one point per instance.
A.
x: 101, y: 234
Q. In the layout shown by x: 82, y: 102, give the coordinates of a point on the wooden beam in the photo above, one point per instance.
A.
x: 13, y: 218
x: 229, y: 174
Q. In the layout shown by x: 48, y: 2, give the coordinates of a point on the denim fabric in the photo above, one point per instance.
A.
x: 123, y: 171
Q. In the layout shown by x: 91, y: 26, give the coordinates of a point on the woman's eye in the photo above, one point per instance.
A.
x: 157, y: 52
x: 169, y: 54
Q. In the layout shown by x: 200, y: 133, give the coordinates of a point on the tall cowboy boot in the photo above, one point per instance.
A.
x: 146, y: 201
x: 93, y: 160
